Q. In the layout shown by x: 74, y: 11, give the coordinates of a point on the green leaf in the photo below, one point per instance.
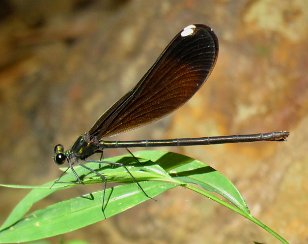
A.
x: 193, y: 171
x: 155, y: 171
x: 118, y: 174
x: 79, y: 212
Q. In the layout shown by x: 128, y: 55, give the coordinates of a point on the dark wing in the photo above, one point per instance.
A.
x: 173, y: 79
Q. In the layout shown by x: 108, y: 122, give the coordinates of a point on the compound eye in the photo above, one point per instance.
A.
x: 60, y: 158
x: 58, y: 148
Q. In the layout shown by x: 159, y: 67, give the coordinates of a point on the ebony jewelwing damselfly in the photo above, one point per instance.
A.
x: 174, y: 78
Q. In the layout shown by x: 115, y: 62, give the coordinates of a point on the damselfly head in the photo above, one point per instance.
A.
x: 59, y: 154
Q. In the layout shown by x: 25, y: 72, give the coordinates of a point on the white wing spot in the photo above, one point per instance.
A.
x: 188, y: 30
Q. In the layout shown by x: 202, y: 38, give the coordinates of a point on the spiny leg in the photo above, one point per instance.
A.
x: 134, y: 157
x: 58, y: 180
x: 136, y: 160
x: 134, y: 179
x: 74, y: 172
x: 103, y: 178
x: 70, y: 166
x: 101, y: 158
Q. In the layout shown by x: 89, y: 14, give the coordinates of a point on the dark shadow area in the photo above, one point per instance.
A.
x: 203, y: 170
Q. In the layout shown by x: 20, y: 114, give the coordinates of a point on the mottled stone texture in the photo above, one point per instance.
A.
x: 63, y: 63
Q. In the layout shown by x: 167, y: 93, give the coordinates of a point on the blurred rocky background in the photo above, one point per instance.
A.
x: 63, y: 63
